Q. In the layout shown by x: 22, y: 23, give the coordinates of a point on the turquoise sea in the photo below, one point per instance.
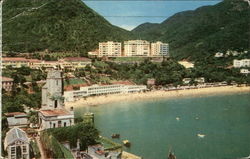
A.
x: 154, y: 127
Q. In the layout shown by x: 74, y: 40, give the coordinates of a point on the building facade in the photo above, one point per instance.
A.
x: 16, y: 144
x: 110, y: 49
x: 241, y: 63
x: 159, y: 49
x: 136, y: 48
x: 7, y: 84
x: 15, y: 62
x: 53, y: 113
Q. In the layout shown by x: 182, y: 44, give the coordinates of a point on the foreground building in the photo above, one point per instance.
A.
x: 96, y: 90
x: 16, y: 144
x: 159, y: 49
x: 110, y: 49
x: 53, y: 113
x: 17, y: 119
x: 241, y: 63
x: 136, y: 48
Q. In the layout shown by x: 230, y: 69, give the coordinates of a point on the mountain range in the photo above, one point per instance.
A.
x: 204, y: 31
x: 55, y: 25
x: 70, y: 25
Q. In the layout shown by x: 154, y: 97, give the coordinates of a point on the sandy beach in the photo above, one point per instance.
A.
x: 155, y: 95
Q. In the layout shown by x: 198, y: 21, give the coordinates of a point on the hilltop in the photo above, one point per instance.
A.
x: 65, y: 25
x: 204, y: 31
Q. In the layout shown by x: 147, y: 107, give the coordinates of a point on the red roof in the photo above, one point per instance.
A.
x: 15, y: 59
x: 56, y: 112
x: 76, y: 59
x: 14, y: 114
x: 7, y: 79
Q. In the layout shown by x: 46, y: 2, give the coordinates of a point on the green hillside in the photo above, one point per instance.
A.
x: 204, y: 31
x: 56, y: 25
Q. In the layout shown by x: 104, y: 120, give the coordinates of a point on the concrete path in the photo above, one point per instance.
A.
x: 39, y: 144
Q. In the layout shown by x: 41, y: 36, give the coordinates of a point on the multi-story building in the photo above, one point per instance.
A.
x: 16, y: 144
x: 110, y: 49
x: 159, y: 49
x: 53, y: 113
x: 241, y: 63
x: 96, y: 90
x: 7, y: 84
x: 136, y: 48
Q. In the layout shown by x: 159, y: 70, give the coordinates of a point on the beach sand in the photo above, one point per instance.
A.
x: 155, y: 95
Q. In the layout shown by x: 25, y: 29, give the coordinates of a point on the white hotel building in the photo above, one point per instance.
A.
x: 110, y: 49
x: 159, y: 49
x: 241, y: 63
x: 96, y: 90
x: 136, y: 48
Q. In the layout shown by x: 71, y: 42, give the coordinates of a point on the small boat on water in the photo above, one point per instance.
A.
x: 126, y: 143
x: 171, y: 156
x: 115, y: 136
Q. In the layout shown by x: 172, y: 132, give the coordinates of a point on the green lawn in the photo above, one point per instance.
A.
x: 129, y: 59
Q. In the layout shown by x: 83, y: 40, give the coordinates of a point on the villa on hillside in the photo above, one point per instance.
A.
x: 186, y: 64
x: 7, y: 83
x: 241, y: 63
x: 53, y: 113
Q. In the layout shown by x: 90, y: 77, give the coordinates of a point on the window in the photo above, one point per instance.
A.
x: 54, y: 125
x: 12, y: 150
x: 24, y: 149
x: 65, y: 124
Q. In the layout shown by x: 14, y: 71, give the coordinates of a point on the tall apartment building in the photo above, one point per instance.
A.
x: 159, y: 49
x: 241, y: 63
x: 110, y: 49
x: 136, y: 48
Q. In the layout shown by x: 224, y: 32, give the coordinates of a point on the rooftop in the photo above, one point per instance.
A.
x: 15, y: 59
x: 7, y: 79
x: 13, y: 135
x: 12, y: 114
x: 56, y: 112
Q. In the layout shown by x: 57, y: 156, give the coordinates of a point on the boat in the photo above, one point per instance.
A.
x: 171, y: 156
x: 126, y: 143
x: 115, y: 136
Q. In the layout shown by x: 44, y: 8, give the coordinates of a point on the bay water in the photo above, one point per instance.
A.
x: 205, y: 127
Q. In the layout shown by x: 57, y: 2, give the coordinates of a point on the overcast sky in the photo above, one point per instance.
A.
x: 129, y: 14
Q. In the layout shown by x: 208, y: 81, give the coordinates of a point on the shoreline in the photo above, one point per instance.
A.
x: 155, y: 95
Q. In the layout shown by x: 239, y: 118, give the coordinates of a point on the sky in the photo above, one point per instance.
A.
x: 131, y: 13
